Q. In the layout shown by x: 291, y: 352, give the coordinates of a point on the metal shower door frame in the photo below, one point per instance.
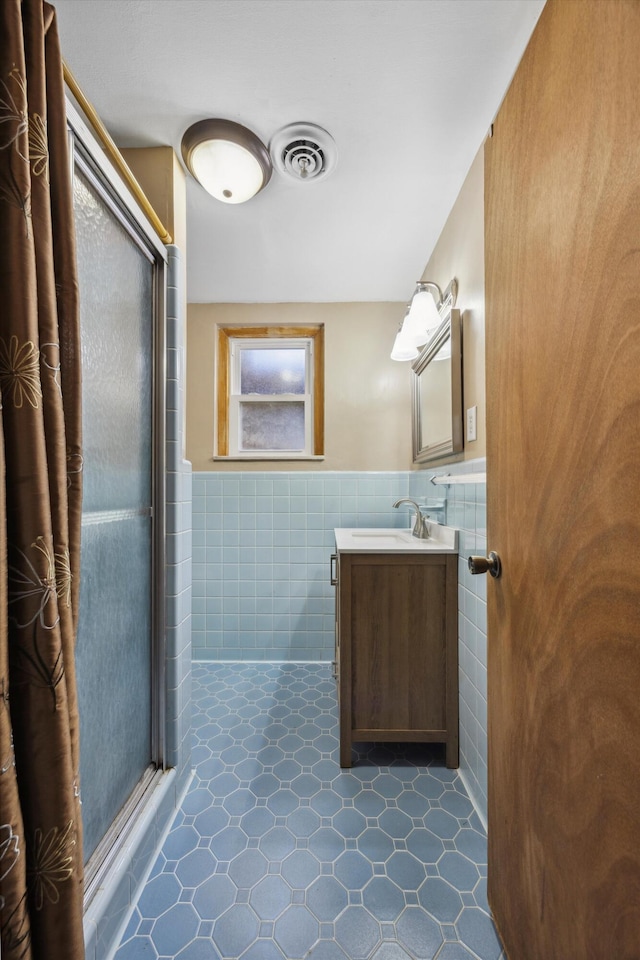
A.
x: 88, y: 157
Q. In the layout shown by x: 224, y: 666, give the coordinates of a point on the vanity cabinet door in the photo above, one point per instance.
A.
x: 397, y: 624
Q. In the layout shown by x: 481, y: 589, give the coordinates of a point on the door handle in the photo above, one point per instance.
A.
x: 490, y: 564
x: 333, y: 576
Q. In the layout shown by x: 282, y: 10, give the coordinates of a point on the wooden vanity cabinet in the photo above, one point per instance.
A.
x: 397, y: 649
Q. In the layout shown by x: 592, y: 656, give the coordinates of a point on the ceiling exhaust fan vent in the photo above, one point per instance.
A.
x: 304, y: 152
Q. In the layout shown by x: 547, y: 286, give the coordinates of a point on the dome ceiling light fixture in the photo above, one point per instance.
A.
x: 304, y: 151
x: 227, y: 159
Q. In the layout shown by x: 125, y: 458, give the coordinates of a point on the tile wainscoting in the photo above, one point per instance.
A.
x: 261, y: 548
x: 467, y: 510
x: 261, y: 589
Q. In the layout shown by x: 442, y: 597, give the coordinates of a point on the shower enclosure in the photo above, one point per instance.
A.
x: 119, y: 652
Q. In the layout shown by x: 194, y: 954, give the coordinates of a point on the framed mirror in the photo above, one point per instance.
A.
x: 437, y: 393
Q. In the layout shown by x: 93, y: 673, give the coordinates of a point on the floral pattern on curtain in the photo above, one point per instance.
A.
x: 40, y: 500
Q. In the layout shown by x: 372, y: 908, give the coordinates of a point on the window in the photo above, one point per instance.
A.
x: 270, y: 392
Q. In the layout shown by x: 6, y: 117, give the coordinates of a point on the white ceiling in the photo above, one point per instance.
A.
x: 407, y: 88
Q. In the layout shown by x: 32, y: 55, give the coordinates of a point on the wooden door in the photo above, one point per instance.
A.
x: 562, y: 249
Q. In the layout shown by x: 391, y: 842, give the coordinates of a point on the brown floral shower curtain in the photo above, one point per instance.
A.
x: 40, y: 500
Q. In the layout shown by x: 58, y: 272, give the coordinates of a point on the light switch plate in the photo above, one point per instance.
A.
x: 471, y: 423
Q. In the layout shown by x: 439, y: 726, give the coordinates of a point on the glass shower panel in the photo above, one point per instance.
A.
x: 113, y: 652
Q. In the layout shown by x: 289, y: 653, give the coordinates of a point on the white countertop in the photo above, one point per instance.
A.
x: 395, y: 540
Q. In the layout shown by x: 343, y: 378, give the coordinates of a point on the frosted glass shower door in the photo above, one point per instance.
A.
x: 115, y: 644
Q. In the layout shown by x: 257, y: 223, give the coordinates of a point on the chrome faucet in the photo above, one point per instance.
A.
x: 420, y: 527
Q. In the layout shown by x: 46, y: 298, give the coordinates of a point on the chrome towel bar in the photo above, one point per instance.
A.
x: 459, y: 478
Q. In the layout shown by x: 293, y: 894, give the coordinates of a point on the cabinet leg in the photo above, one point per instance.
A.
x: 452, y: 757
x: 345, y: 751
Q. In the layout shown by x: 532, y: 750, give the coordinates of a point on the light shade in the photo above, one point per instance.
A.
x: 423, y: 317
x: 227, y: 159
x: 403, y: 350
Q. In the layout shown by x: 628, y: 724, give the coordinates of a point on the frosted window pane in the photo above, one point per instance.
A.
x: 272, y: 371
x: 272, y: 426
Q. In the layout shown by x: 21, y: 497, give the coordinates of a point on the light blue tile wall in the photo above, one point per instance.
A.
x: 467, y: 510
x: 261, y: 548
x: 178, y: 538
x: 261, y: 591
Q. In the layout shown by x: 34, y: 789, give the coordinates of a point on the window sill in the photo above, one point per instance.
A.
x: 271, y: 456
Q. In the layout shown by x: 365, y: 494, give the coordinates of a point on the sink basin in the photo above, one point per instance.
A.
x: 379, y: 535
x: 393, y: 540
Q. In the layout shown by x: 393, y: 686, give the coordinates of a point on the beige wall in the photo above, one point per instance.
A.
x: 158, y: 171
x: 459, y: 253
x: 367, y: 395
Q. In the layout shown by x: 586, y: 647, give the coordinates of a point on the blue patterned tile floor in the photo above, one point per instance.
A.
x: 278, y: 854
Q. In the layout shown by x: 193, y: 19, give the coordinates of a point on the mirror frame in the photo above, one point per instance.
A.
x: 423, y: 451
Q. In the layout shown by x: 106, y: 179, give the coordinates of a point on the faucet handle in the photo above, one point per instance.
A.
x: 426, y: 532
x: 421, y: 526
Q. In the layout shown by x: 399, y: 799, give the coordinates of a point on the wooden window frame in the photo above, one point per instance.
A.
x: 314, y: 332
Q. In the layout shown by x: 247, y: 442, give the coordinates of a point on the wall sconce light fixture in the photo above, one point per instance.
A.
x: 422, y: 318
x: 403, y: 347
x: 227, y: 159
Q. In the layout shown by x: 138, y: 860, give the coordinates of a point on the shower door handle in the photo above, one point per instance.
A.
x: 490, y: 564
